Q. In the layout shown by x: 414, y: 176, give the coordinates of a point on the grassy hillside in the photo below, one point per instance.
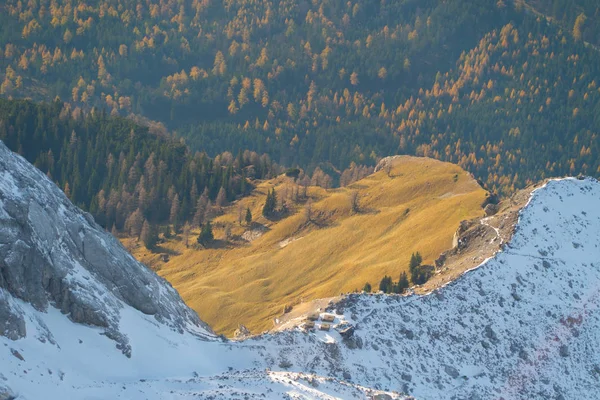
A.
x: 417, y: 206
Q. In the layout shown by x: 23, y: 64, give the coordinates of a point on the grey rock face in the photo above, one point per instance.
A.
x: 12, y: 324
x: 6, y: 393
x: 52, y: 253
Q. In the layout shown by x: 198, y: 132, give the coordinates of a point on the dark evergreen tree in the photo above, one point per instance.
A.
x: 206, y: 234
x: 270, y: 203
x: 421, y: 274
x: 403, y: 283
x: 386, y: 284
x: 415, y: 261
x: 149, y: 235
x: 126, y: 168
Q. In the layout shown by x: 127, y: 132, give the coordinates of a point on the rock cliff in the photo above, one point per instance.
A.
x: 52, y: 253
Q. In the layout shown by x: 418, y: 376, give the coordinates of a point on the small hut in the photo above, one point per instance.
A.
x: 313, y: 317
x: 328, y: 318
x: 309, y: 325
x: 325, y: 327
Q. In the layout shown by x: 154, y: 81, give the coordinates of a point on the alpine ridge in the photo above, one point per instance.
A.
x: 525, y: 324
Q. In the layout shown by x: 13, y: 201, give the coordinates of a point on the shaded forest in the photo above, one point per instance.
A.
x: 123, y: 174
x: 510, y: 95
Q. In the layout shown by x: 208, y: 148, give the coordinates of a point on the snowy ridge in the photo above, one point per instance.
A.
x: 166, y: 365
x: 524, y: 325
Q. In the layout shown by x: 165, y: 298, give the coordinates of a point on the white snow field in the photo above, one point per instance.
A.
x: 524, y: 325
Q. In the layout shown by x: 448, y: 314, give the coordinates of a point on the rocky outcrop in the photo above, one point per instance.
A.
x: 12, y: 323
x: 52, y: 253
x: 465, y: 235
x: 491, y: 209
x: 241, y: 333
x: 6, y: 393
x: 386, y: 163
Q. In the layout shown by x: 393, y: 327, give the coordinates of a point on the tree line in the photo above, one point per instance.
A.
x: 491, y: 86
x: 129, y: 179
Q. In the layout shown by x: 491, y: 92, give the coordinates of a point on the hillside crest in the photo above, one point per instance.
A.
x: 327, y: 242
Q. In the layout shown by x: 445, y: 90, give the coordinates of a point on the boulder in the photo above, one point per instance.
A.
x: 491, y: 209
x: 241, y: 333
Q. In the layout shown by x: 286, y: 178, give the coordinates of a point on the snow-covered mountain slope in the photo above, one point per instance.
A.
x: 80, y: 318
x: 523, y: 325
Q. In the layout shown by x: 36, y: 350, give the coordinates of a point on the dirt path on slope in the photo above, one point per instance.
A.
x: 478, y: 240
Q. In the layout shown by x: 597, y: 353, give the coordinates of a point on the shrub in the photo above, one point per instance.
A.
x: 402, y: 283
